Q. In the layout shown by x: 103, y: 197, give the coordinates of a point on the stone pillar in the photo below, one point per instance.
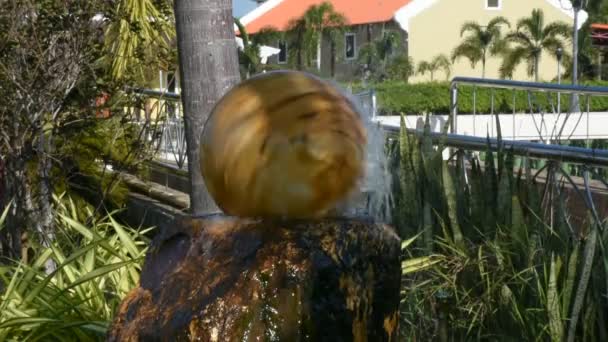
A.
x: 220, y: 278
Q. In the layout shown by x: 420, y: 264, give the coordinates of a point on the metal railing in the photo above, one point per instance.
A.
x: 172, y: 145
x: 532, y: 90
x: 590, y: 163
x: 569, y: 154
x: 163, y: 124
x: 163, y: 120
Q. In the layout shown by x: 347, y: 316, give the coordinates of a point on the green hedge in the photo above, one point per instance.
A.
x: 400, y: 97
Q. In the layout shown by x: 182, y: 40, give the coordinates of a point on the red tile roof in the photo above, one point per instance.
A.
x: 599, y: 26
x: 356, y: 12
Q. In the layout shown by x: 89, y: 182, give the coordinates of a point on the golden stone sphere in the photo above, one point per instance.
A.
x: 282, y: 144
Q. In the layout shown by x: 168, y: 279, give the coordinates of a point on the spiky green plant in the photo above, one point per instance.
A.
x: 514, y: 264
x: 96, y: 265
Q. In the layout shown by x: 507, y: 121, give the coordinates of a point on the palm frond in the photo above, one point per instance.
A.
x: 424, y: 67
x: 497, y: 21
x: 471, y: 26
x: 441, y: 61
x: 532, y: 25
x: 470, y: 52
x: 520, y: 38
x: 556, y: 29
x: 511, y: 60
x: 266, y: 36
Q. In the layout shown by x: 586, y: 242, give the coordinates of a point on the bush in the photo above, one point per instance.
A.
x: 396, y: 97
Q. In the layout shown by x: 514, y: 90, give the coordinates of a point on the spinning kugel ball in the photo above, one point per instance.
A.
x: 282, y: 144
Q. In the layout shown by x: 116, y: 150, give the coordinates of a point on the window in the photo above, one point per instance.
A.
x: 350, y: 45
x: 171, y: 82
x: 493, y: 4
x: 283, y: 52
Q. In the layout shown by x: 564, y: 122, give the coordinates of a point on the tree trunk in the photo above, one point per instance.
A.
x: 299, y: 62
x: 483, y: 67
x: 15, y: 184
x: 536, y: 62
x: 333, y: 59
x: 30, y: 199
x: 42, y: 219
x: 208, y: 69
x: 319, y: 42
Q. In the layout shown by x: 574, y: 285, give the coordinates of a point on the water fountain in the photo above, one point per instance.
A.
x: 279, y: 154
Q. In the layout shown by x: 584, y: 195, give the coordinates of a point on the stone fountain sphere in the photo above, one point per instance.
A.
x: 283, y: 144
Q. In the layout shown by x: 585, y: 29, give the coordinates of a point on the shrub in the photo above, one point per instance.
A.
x: 396, y: 97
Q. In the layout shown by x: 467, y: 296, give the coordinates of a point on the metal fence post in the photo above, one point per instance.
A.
x: 454, y: 107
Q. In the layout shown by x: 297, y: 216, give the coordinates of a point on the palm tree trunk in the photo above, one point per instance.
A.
x: 536, y: 62
x: 300, y: 43
x: 333, y: 59
x: 483, y: 67
x: 208, y: 68
x: 319, y: 42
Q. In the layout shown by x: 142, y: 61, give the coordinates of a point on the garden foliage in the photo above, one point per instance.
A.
x: 397, y: 97
x: 97, y: 261
x: 515, y: 260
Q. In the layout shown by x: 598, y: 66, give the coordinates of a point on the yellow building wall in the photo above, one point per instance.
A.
x: 436, y: 30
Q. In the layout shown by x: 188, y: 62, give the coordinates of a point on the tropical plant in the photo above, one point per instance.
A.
x: 52, y: 76
x: 249, y: 57
x: 305, y: 34
x: 589, y: 55
x: 97, y: 265
x: 514, y: 264
x: 400, y: 68
x: 376, y: 56
x: 440, y: 61
x: 138, y: 39
x: 481, y: 41
x: 531, y: 38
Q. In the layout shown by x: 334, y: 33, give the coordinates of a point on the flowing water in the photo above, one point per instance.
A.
x: 378, y: 179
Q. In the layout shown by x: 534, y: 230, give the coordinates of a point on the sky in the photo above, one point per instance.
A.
x: 241, y: 7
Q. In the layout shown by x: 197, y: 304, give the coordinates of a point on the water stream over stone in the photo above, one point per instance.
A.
x: 378, y: 180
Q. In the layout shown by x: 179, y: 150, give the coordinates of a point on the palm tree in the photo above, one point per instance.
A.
x: 250, y: 58
x: 306, y: 33
x: 531, y: 38
x: 137, y: 39
x: 207, y: 69
x: 440, y: 61
x: 481, y: 41
x: 296, y: 35
x: 322, y: 20
x: 375, y: 55
x: 400, y: 68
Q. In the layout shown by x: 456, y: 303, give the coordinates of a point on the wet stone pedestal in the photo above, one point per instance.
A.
x: 227, y: 279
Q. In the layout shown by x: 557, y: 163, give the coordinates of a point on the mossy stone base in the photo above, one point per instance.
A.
x: 226, y: 279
